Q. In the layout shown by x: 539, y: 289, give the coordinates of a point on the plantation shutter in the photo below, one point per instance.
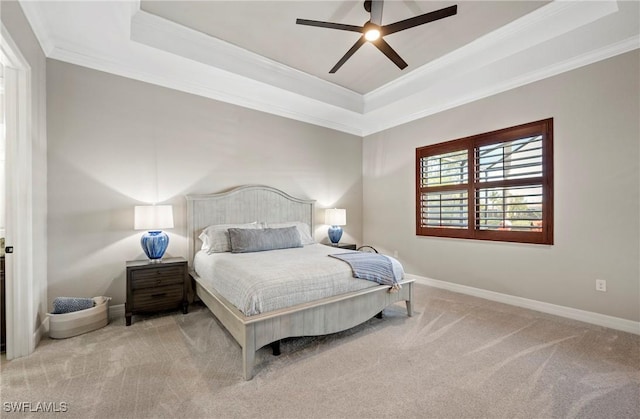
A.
x: 513, y: 169
x: 445, y: 208
x: 493, y: 186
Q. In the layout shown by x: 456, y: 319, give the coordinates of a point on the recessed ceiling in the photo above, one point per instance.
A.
x: 268, y: 28
x: 252, y: 54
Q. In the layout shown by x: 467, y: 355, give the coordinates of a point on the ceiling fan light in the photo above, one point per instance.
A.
x: 372, y: 34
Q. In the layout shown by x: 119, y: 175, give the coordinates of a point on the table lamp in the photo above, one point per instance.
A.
x: 335, y: 217
x: 153, y: 218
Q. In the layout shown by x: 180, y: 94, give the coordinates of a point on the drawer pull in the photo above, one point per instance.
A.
x: 162, y: 294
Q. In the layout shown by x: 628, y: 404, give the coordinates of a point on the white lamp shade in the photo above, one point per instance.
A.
x: 335, y: 217
x: 153, y: 217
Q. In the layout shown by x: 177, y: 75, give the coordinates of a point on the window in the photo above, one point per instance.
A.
x: 493, y: 186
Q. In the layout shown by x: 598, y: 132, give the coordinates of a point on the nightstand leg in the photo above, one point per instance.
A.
x: 185, y: 307
x: 128, y: 319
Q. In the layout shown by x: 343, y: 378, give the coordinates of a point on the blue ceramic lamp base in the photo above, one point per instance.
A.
x: 335, y: 233
x: 154, y: 244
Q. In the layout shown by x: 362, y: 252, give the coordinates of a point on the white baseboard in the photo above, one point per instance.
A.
x: 116, y: 311
x: 41, y: 331
x: 562, y: 311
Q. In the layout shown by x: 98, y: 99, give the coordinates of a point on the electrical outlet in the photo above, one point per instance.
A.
x: 601, y: 285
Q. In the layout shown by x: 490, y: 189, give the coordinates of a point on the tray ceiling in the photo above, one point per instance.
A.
x: 252, y: 54
x: 268, y: 28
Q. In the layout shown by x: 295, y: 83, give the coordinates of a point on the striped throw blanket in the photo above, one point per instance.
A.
x: 371, y: 266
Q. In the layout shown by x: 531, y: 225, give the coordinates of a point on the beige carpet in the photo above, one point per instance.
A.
x: 458, y: 357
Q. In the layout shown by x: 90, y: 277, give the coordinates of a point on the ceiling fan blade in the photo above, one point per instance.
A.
x: 376, y: 12
x: 329, y: 25
x: 419, y: 20
x: 348, y: 55
x: 386, y: 49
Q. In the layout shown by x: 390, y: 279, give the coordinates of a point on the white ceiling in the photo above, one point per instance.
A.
x: 253, y: 54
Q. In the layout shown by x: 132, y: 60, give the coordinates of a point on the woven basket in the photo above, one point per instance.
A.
x: 66, y: 325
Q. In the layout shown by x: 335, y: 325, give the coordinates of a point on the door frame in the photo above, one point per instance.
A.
x: 22, y: 334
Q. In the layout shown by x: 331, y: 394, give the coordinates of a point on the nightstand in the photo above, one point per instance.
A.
x: 155, y: 286
x: 349, y: 246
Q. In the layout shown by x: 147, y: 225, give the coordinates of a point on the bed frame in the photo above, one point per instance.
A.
x: 251, y: 203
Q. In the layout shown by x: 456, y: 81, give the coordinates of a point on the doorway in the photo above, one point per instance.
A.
x: 3, y: 312
x: 21, y: 297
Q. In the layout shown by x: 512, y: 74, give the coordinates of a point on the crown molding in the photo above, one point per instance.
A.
x: 557, y: 18
x: 38, y: 23
x: 165, y: 35
x: 397, y: 113
x: 120, y: 39
x: 213, y: 83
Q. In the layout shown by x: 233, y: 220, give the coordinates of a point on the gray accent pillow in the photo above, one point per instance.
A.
x: 258, y: 240
x: 303, y: 229
x: 215, y: 238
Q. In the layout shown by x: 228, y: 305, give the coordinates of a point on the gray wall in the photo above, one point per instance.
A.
x: 20, y: 31
x: 115, y: 143
x: 597, y: 184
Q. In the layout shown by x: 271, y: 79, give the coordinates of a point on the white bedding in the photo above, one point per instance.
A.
x: 260, y: 282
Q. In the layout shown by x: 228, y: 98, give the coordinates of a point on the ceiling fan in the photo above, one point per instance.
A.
x: 373, y: 30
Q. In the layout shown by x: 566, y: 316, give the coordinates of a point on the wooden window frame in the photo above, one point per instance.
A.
x: 472, y: 144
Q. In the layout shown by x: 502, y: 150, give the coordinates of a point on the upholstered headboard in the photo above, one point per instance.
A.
x: 244, y: 204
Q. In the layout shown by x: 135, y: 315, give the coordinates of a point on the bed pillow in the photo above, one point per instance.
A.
x: 215, y: 238
x: 258, y: 240
x: 303, y: 229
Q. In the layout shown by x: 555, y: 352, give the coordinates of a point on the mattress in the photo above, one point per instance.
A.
x: 260, y: 282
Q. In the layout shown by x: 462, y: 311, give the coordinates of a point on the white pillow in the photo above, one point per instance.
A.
x: 303, y: 229
x: 215, y: 238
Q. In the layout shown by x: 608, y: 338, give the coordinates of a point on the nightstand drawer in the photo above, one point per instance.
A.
x: 158, y: 298
x: 148, y: 278
x: 155, y: 286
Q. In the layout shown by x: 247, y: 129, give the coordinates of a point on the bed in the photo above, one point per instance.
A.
x: 318, y: 316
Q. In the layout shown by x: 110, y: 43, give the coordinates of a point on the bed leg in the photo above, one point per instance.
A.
x: 275, y: 347
x: 247, y: 364
x: 409, y: 308
x: 248, y: 353
x: 379, y: 315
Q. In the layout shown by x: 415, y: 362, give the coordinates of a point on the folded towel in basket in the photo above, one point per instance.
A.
x: 70, y: 304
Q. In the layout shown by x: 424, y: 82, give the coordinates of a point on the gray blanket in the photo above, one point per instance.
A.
x: 371, y: 266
